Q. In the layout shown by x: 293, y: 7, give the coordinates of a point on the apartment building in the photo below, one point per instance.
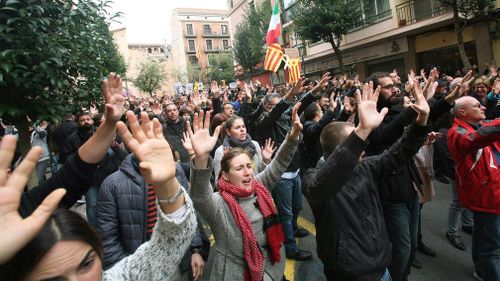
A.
x: 196, y: 33
x: 399, y: 34
x: 137, y: 53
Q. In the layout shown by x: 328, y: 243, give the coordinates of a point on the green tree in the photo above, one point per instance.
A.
x: 53, y: 53
x: 250, y: 37
x: 221, y: 66
x: 326, y: 20
x: 463, y: 12
x: 194, y: 72
x: 151, y: 77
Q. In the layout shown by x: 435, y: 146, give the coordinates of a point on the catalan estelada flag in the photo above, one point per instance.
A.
x: 274, y: 56
x: 294, y: 70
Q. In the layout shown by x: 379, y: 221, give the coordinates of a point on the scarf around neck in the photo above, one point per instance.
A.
x: 246, y: 144
x: 272, y: 227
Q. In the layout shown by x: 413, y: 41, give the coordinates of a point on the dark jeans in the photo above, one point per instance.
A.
x: 287, y: 195
x: 91, y: 201
x: 41, y: 170
x: 486, y: 245
x: 402, y: 221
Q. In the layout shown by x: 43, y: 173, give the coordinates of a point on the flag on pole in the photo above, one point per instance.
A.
x: 294, y: 70
x: 274, y: 56
x: 274, y: 30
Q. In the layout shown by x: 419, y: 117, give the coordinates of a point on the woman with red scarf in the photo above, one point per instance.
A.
x: 241, y: 215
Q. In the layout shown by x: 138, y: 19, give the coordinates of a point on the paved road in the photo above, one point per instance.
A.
x: 450, y: 264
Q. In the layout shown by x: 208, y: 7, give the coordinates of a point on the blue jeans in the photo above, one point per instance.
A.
x: 402, y: 222
x: 41, y: 169
x: 386, y: 277
x: 91, y: 201
x: 457, y: 212
x: 486, y: 245
x: 287, y: 195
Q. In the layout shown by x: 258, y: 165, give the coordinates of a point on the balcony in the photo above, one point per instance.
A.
x: 410, y: 12
x: 215, y: 34
x: 217, y: 49
x: 191, y: 51
x: 189, y: 34
x: 372, y: 19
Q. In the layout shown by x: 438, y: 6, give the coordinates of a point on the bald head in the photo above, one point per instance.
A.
x: 468, y: 109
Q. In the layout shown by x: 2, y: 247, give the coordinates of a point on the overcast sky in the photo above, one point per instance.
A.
x: 148, y: 21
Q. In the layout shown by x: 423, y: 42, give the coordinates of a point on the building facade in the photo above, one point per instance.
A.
x: 137, y: 53
x: 402, y: 35
x: 196, y: 33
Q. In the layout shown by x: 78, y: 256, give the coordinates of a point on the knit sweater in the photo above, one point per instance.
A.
x: 159, y: 258
x: 226, y: 261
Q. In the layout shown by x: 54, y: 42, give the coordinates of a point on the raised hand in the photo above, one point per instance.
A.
x: 465, y: 85
x: 369, y: 117
x: 296, y: 125
x: 214, y: 88
x: 267, y: 151
x: 297, y: 88
x: 112, y: 92
x: 322, y: 83
x: 186, y: 143
x: 16, y: 232
x: 148, y: 144
x: 423, y: 75
x: 420, y: 106
x: 333, y: 101
x: 201, y: 140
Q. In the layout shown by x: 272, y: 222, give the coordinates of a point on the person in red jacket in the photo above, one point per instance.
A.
x: 474, y: 144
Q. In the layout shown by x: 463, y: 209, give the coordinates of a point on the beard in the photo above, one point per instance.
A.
x: 86, y: 129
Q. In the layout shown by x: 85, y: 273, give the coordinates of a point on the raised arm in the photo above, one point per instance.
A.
x: 273, y: 172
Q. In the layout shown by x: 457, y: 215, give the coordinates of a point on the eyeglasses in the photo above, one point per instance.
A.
x: 389, y: 87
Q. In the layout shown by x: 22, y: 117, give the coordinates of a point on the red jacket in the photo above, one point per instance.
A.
x: 476, y: 171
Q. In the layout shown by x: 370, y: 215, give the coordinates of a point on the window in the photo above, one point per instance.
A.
x: 373, y: 11
x: 225, y: 44
x: 149, y: 50
x: 191, y: 45
x: 207, y: 29
x: 209, y: 45
x: 223, y: 29
x: 193, y: 60
x: 189, y: 29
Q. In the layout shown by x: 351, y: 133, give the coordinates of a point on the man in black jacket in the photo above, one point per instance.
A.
x: 123, y: 215
x: 63, y: 131
x: 344, y: 193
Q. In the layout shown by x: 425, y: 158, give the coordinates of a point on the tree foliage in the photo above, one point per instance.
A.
x: 151, y: 77
x: 463, y: 12
x: 53, y: 53
x: 326, y: 20
x: 221, y: 66
x: 250, y: 36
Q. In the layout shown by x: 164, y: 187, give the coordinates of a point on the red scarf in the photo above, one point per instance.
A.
x: 274, y: 230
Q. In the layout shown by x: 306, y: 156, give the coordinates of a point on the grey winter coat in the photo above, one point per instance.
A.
x: 122, y: 212
x: 226, y: 260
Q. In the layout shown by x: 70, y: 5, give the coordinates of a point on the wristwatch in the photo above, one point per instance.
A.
x: 171, y: 199
x: 196, y: 250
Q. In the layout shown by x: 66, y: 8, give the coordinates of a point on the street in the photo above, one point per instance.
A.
x: 450, y: 264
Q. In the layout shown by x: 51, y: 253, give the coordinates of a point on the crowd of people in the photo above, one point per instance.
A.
x: 153, y: 170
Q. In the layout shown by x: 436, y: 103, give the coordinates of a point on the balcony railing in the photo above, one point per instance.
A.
x: 191, y: 51
x: 217, y: 49
x: 410, y: 12
x: 189, y: 34
x: 215, y: 34
x: 369, y: 20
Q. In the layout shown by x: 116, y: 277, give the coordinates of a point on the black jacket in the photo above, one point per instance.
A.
x: 173, y: 132
x: 344, y: 194
x: 122, y: 212
x: 279, y: 123
x: 311, y: 147
x: 75, y: 176
x: 62, y: 132
x: 398, y: 186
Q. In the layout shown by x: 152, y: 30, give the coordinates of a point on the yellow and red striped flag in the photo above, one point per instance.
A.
x: 294, y: 70
x: 274, y: 56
